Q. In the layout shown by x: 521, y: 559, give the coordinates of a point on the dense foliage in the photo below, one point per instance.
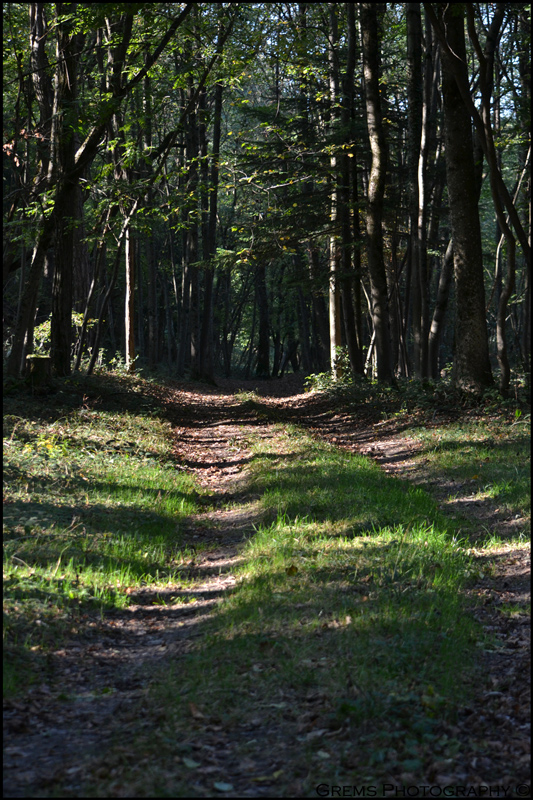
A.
x: 243, y: 188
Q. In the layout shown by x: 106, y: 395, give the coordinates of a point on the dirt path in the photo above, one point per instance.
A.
x: 55, y: 736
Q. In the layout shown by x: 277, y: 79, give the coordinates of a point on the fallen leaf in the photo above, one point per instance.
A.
x: 223, y: 787
x: 190, y: 763
x: 316, y: 734
x: 268, y: 778
x: 195, y: 711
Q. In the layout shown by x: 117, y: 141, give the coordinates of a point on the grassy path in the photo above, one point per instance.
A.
x: 214, y: 601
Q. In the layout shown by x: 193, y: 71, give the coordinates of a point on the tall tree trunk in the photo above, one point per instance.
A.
x: 206, y: 333
x: 184, y: 321
x: 357, y: 273
x: 263, y: 342
x: 151, y: 262
x: 439, y: 311
x: 524, y: 30
x: 194, y: 301
x: 335, y: 328
x: 457, y: 67
x: 393, y: 276
x: 61, y: 322
x: 42, y: 87
x: 209, y: 204
x: 420, y: 84
x: 191, y: 248
x: 486, y: 81
x: 305, y: 338
x: 129, y: 321
x: 347, y: 159
x: 320, y: 328
x: 414, y: 135
x: 63, y: 141
x: 371, y: 39
x: 28, y: 302
x: 472, y: 370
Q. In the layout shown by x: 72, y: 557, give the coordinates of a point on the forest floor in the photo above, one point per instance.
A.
x: 52, y: 748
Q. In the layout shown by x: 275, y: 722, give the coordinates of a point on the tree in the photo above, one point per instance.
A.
x: 370, y: 35
x: 335, y: 327
x: 225, y: 160
x: 63, y: 181
x: 471, y: 359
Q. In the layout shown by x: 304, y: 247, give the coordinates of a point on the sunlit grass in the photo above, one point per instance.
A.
x: 93, y: 508
x: 488, y: 458
x: 351, y: 594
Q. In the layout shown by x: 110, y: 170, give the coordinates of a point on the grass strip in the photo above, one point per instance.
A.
x: 345, y: 642
x: 488, y: 459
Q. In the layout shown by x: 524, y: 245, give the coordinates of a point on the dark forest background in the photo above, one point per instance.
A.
x: 243, y: 189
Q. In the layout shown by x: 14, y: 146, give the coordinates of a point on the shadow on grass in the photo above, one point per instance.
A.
x: 353, y: 490
x: 332, y: 651
x: 108, y: 540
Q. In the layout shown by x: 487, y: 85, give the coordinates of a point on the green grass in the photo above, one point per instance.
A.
x: 479, y: 446
x: 315, y: 480
x: 93, y: 507
x: 347, y: 645
x: 489, y: 458
x: 350, y: 607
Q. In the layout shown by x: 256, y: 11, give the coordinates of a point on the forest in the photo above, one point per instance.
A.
x: 266, y: 400
x: 244, y: 189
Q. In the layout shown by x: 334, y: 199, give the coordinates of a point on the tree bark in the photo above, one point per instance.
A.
x: 263, y: 343
x: 335, y: 334
x: 472, y: 370
x: 347, y: 160
x: 151, y: 262
x: 206, y: 333
x: 457, y: 67
x: 415, y: 96
x: 41, y: 86
x: 370, y: 35
x: 63, y: 138
x: 439, y: 311
x: 129, y: 321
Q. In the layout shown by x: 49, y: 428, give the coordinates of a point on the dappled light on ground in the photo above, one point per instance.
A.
x: 280, y: 594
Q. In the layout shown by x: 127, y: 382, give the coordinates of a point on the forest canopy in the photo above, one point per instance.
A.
x: 247, y: 188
